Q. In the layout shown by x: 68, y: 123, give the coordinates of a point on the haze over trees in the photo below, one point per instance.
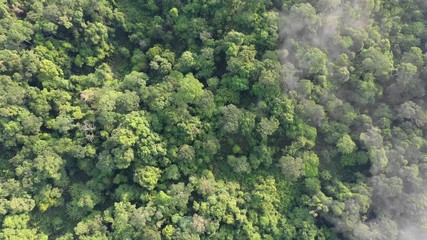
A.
x: 213, y: 119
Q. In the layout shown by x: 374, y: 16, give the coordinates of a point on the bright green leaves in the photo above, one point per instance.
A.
x: 267, y: 127
x: 127, y: 102
x: 124, y: 218
x: 161, y: 61
x: 147, y: 177
x: 313, y: 61
x: 354, y: 158
x: 18, y: 227
x: 121, y: 142
x: 243, y: 64
x: 311, y: 161
x: 345, y: 144
x: 38, y: 164
x: 104, y: 99
x: 149, y: 144
x: 26, y: 124
x: 179, y: 119
x: 50, y: 75
x: 95, y: 44
x: 49, y: 164
x: 236, y: 38
x: 134, y: 81
x: 265, y: 199
x: 91, y: 227
x: 266, y: 32
x: 186, y: 62
x: 291, y: 167
x: 14, y: 33
x: 232, y: 116
x: 241, y: 67
x: 237, y: 121
x: 161, y: 65
x: 235, y: 83
x: 220, y: 200
x: 414, y: 56
x: 378, y: 63
x: 19, y: 205
x: 49, y: 197
x: 189, y: 89
x: 103, y: 76
x: 205, y: 64
x: 239, y: 164
x: 132, y: 138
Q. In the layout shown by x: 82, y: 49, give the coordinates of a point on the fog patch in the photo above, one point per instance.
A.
x: 337, y: 28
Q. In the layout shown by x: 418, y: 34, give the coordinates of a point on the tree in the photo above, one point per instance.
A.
x: 378, y: 63
x: 205, y: 64
x: 305, y: 15
x: 15, y: 32
x: 231, y: 117
x: 291, y: 167
x: 412, y: 111
x: 311, y: 111
x: 407, y: 85
x: 267, y: 127
x: 127, y: 102
x: 354, y: 158
x: 243, y: 64
x: 313, y: 61
x: 147, y: 176
x: 84, y: 199
x: 189, y: 90
x: 49, y: 197
x: 17, y: 227
x: 239, y: 164
x: 345, y: 144
x: 91, y: 227
x: 261, y: 119
x: 186, y: 62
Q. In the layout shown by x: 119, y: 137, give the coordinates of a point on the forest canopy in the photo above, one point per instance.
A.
x: 213, y: 119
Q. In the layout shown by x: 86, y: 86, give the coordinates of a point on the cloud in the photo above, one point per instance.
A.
x: 398, y: 206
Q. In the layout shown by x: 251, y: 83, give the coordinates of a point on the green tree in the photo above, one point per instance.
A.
x: 291, y: 167
x: 239, y: 164
x: 17, y: 227
x: 147, y: 176
x: 345, y: 144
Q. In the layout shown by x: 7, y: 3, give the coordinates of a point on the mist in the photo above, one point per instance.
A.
x: 337, y: 31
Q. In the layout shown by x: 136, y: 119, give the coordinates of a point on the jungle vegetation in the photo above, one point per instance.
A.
x: 213, y: 119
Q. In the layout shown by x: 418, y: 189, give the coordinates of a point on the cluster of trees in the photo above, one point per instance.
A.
x: 357, y: 74
x: 218, y: 119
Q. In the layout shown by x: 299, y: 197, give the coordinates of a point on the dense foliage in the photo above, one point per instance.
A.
x: 213, y: 119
